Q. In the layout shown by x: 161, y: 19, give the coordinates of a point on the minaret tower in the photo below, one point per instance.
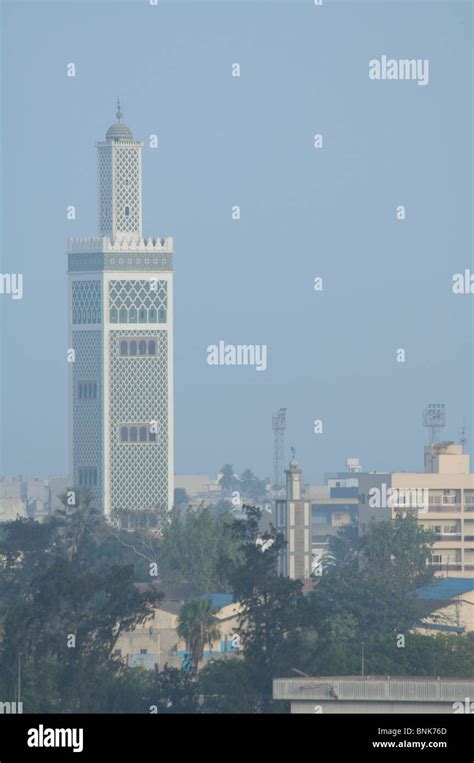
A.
x: 121, y: 334
x: 292, y: 518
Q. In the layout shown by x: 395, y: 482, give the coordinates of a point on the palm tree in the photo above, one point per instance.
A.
x: 80, y: 517
x: 247, y: 479
x: 227, y: 481
x: 197, y: 626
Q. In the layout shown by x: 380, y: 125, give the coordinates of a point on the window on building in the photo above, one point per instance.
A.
x: 162, y: 315
x: 152, y: 315
x: 126, y: 211
x: 123, y: 315
x: 88, y: 476
x: 136, y: 433
x: 140, y: 347
x: 143, y: 651
x: 132, y: 315
x: 142, y: 315
x: 113, y: 315
x: 87, y: 390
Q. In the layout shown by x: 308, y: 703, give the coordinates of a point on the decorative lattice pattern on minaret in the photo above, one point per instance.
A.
x: 105, y: 190
x: 139, y: 392
x: 86, y: 302
x: 137, y: 301
x: 87, y: 414
x: 121, y: 328
x: 127, y: 190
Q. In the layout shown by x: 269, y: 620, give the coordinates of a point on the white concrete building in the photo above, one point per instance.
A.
x: 376, y: 694
x: 121, y: 335
x: 442, y: 499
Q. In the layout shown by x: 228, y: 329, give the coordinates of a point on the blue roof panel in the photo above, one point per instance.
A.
x: 219, y: 600
x: 446, y: 588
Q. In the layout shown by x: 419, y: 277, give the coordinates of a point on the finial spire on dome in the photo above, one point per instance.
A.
x: 119, y: 131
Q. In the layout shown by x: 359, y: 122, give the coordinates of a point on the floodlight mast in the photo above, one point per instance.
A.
x: 434, y: 419
x: 279, y: 426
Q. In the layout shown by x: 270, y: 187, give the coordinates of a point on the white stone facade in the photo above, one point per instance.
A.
x: 121, y: 330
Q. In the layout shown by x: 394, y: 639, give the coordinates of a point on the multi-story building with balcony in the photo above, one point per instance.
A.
x: 442, y: 498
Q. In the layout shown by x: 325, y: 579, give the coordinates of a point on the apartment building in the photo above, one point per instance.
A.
x: 442, y: 498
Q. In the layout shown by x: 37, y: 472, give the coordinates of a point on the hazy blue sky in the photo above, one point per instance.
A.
x: 305, y: 213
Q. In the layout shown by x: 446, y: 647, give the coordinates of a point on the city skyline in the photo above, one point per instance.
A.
x: 304, y: 213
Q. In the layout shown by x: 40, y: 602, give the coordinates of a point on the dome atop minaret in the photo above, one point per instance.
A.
x: 119, y: 131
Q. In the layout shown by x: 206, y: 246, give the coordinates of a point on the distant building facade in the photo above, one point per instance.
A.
x: 292, y: 518
x: 446, y: 605
x: 442, y: 499
x: 30, y: 496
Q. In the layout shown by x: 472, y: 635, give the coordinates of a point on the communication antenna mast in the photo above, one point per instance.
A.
x: 434, y: 419
x: 463, y: 436
x: 278, y: 426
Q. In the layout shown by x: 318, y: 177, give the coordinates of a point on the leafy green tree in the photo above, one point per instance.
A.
x: 181, y: 498
x: 251, y: 486
x: 62, y: 608
x: 228, y: 686
x: 175, y: 691
x: 273, y: 607
x: 343, y: 548
x: 228, y: 480
x: 400, y: 550
x: 198, y: 626
x: 198, y: 548
x: 247, y: 478
x: 375, y: 586
x: 222, y: 507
